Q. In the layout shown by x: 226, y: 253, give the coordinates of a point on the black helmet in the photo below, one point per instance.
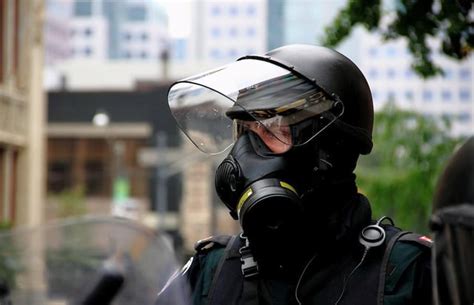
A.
x: 289, y: 85
x: 338, y: 76
x: 456, y: 183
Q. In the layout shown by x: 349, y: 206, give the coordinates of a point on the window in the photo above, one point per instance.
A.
x: 391, y: 73
x: 215, y: 10
x: 215, y: 32
x: 391, y: 52
x: 95, y: 177
x: 127, y: 36
x: 373, y: 52
x: 409, y: 74
x: 83, y: 8
x: 87, y: 51
x: 251, y: 32
x: 232, y: 53
x: 465, y: 74
x: 391, y: 96
x: 233, y: 32
x: 88, y: 32
x: 144, y: 54
x: 136, y: 13
x: 233, y: 11
x: 464, y: 117
x: 409, y: 95
x: 215, y: 53
x: 373, y: 73
x: 179, y: 49
x: 251, y: 10
x: 144, y: 36
x: 465, y: 95
x: 59, y: 175
x: 448, y: 74
x: 446, y: 95
x: 427, y: 96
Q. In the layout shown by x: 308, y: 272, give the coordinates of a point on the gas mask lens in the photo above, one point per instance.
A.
x: 276, y: 136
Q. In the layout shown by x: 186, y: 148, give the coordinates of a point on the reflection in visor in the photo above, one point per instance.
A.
x: 200, y: 114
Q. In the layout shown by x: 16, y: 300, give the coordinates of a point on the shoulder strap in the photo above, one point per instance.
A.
x: 228, y: 286
x: 211, y: 242
x: 383, y: 270
x: 402, y: 237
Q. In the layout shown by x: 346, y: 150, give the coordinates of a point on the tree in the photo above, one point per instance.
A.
x: 450, y: 21
x: 399, y: 175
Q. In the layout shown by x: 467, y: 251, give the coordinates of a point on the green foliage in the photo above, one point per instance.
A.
x: 10, y: 263
x: 5, y: 225
x: 414, y: 20
x: 71, y: 202
x: 400, y: 174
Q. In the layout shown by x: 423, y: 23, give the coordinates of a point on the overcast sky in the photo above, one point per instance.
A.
x: 179, y: 13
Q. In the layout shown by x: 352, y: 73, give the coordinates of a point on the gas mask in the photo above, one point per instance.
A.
x: 266, y: 192
x: 259, y: 186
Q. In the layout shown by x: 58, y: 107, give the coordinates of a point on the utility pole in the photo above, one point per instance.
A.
x: 161, y: 191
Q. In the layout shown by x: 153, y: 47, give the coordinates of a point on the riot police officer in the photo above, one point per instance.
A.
x: 453, y: 227
x: 295, y: 121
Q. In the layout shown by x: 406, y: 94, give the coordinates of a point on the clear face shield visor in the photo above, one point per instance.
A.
x: 284, y: 110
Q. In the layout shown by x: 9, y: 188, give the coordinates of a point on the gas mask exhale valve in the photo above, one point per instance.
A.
x: 250, y: 184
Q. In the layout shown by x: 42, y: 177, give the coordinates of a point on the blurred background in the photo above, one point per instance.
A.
x: 85, y: 126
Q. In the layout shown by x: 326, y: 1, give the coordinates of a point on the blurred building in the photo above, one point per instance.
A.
x: 86, y: 75
x: 130, y: 29
x: 300, y: 21
x: 386, y: 65
x: 21, y: 112
x: 57, y: 46
x: 224, y: 30
x: 140, y: 143
x: 93, y: 155
x: 388, y: 71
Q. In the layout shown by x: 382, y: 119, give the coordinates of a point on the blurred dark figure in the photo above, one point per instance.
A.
x: 453, y: 226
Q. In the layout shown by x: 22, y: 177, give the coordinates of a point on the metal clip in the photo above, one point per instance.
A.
x: 249, y: 265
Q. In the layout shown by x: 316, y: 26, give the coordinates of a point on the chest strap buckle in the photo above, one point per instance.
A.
x: 249, y: 265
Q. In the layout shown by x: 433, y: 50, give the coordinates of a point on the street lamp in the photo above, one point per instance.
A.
x: 101, y: 118
x: 120, y: 183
